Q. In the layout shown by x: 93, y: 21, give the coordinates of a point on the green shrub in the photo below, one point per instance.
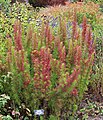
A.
x: 5, y: 6
x: 17, y: 11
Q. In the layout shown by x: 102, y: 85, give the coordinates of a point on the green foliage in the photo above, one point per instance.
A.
x: 5, y: 6
x: 4, y: 82
x: 8, y: 117
x: 95, y: 1
x: 5, y: 3
x: 53, y: 117
x: 55, y: 53
x: 3, y: 100
x: 91, y: 18
x: 97, y: 76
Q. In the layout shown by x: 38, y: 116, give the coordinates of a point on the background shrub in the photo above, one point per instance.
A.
x: 40, y: 3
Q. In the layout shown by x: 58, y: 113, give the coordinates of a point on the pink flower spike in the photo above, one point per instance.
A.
x: 74, y: 92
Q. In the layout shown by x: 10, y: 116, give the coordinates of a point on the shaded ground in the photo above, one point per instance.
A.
x: 91, y: 108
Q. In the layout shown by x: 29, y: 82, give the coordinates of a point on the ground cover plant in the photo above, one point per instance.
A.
x: 49, y: 60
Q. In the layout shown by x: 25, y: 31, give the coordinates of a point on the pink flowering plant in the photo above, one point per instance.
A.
x: 50, y: 71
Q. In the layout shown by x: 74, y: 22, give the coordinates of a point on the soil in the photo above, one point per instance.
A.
x: 91, y: 108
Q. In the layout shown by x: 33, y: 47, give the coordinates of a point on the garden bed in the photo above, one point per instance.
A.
x: 51, y: 60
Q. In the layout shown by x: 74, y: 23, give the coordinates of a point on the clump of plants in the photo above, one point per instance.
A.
x: 95, y: 18
x: 89, y: 9
x: 49, y: 68
x: 50, y: 36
